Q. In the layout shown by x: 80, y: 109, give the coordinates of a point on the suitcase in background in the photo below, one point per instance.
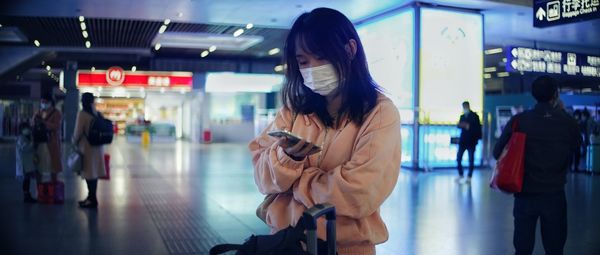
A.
x: 593, y: 158
x: 107, y: 167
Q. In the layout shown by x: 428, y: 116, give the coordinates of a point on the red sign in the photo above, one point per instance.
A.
x: 117, y: 77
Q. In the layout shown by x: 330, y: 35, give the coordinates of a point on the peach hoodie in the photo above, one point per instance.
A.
x: 359, y: 169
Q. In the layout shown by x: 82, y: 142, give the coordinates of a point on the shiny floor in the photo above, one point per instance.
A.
x: 183, y: 198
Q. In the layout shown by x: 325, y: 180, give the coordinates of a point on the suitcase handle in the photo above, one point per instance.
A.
x: 311, y: 215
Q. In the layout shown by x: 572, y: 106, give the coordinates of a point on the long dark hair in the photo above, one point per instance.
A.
x: 326, y: 33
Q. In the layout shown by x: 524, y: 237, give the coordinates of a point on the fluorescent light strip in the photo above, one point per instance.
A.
x: 489, y: 69
x: 238, y: 32
x: 274, y: 51
x: 493, y: 51
x: 503, y: 74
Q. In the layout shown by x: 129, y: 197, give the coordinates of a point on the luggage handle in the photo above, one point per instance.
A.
x: 311, y: 215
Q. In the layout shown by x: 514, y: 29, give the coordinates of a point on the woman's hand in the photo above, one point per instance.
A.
x: 296, y: 151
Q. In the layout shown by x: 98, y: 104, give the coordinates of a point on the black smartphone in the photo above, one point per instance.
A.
x: 292, y: 139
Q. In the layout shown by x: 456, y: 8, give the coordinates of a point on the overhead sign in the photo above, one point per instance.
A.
x: 556, y: 12
x: 521, y: 59
x: 117, y: 77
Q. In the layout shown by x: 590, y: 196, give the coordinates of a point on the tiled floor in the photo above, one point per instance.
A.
x: 183, y: 198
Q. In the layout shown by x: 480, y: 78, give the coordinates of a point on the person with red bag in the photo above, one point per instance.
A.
x: 551, y: 138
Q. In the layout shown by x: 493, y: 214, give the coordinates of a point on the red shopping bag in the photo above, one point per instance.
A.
x: 510, y: 168
x: 107, y: 167
x: 45, y: 193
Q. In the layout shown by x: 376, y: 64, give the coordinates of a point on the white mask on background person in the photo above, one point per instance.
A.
x: 45, y: 106
x: 26, y: 131
x: 466, y: 111
x: 321, y: 79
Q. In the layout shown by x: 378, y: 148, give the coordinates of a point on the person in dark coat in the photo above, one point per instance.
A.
x: 470, y: 126
x: 552, y: 137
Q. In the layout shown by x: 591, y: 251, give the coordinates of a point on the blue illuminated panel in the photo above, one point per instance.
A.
x: 435, y: 149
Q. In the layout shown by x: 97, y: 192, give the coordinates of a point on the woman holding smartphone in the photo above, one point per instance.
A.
x: 331, y: 102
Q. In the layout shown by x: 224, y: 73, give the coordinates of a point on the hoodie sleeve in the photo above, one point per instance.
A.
x: 274, y: 170
x: 359, y: 186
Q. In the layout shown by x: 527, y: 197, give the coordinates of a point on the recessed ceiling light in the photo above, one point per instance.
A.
x: 93, y: 69
x: 88, y: 44
x: 274, y: 51
x: 48, y: 68
x: 204, y: 54
x: 249, y: 26
x: 238, y: 32
x: 167, y: 21
x: 85, y: 34
x: 81, y: 19
x: 133, y: 68
x: 0, y: 25
x: 37, y: 43
x: 162, y: 29
x: 157, y: 46
x: 212, y: 48
x: 83, y: 27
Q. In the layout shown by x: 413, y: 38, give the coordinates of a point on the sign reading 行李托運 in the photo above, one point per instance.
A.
x: 548, y: 13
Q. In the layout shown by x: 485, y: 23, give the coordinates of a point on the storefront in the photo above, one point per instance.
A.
x: 141, y: 100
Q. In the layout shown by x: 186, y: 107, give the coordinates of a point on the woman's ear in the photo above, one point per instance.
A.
x: 351, y: 48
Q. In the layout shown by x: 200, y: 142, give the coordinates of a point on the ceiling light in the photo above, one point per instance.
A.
x: 212, y: 48
x: 489, y: 69
x: 503, y: 74
x: 37, y: 43
x: 133, y: 68
x: 249, y: 26
x: 274, y: 51
x: 81, y: 18
x: 204, y: 54
x: 157, y: 46
x: 93, y: 69
x: 238, y: 32
x: 162, y: 29
x: 48, y: 68
x: 0, y: 25
x: 88, y: 44
x: 504, y: 60
x: 49, y: 73
x: 167, y: 21
x: 278, y: 68
x: 82, y: 24
x: 493, y: 51
x: 85, y: 34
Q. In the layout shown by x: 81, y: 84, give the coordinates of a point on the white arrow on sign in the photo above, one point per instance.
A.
x: 514, y: 64
x: 540, y: 14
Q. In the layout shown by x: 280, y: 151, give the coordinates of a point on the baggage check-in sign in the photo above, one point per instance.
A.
x: 548, y: 13
x: 522, y: 59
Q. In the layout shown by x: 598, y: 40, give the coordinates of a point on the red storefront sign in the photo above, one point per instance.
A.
x: 116, y: 77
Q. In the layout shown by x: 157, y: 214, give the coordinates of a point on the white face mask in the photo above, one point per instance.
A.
x: 321, y: 79
x: 44, y: 106
x: 466, y: 111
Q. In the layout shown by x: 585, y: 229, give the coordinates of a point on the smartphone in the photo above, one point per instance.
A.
x: 292, y: 139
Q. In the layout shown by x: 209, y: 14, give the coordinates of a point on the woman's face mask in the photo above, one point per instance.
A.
x: 45, y: 106
x: 322, y: 80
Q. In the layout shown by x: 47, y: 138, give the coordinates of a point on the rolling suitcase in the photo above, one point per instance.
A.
x: 288, y: 241
x: 593, y: 158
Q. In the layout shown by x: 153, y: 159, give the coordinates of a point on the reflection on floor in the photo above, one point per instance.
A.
x: 183, y: 198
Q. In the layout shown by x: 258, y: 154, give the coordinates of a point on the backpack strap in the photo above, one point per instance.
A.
x: 222, y: 248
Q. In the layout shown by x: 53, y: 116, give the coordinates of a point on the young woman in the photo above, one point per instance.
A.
x: 330, y: 101
x: 49, y: 150
x: 93, y: 156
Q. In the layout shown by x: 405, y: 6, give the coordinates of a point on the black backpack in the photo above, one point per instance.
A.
x: 101, y: 131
